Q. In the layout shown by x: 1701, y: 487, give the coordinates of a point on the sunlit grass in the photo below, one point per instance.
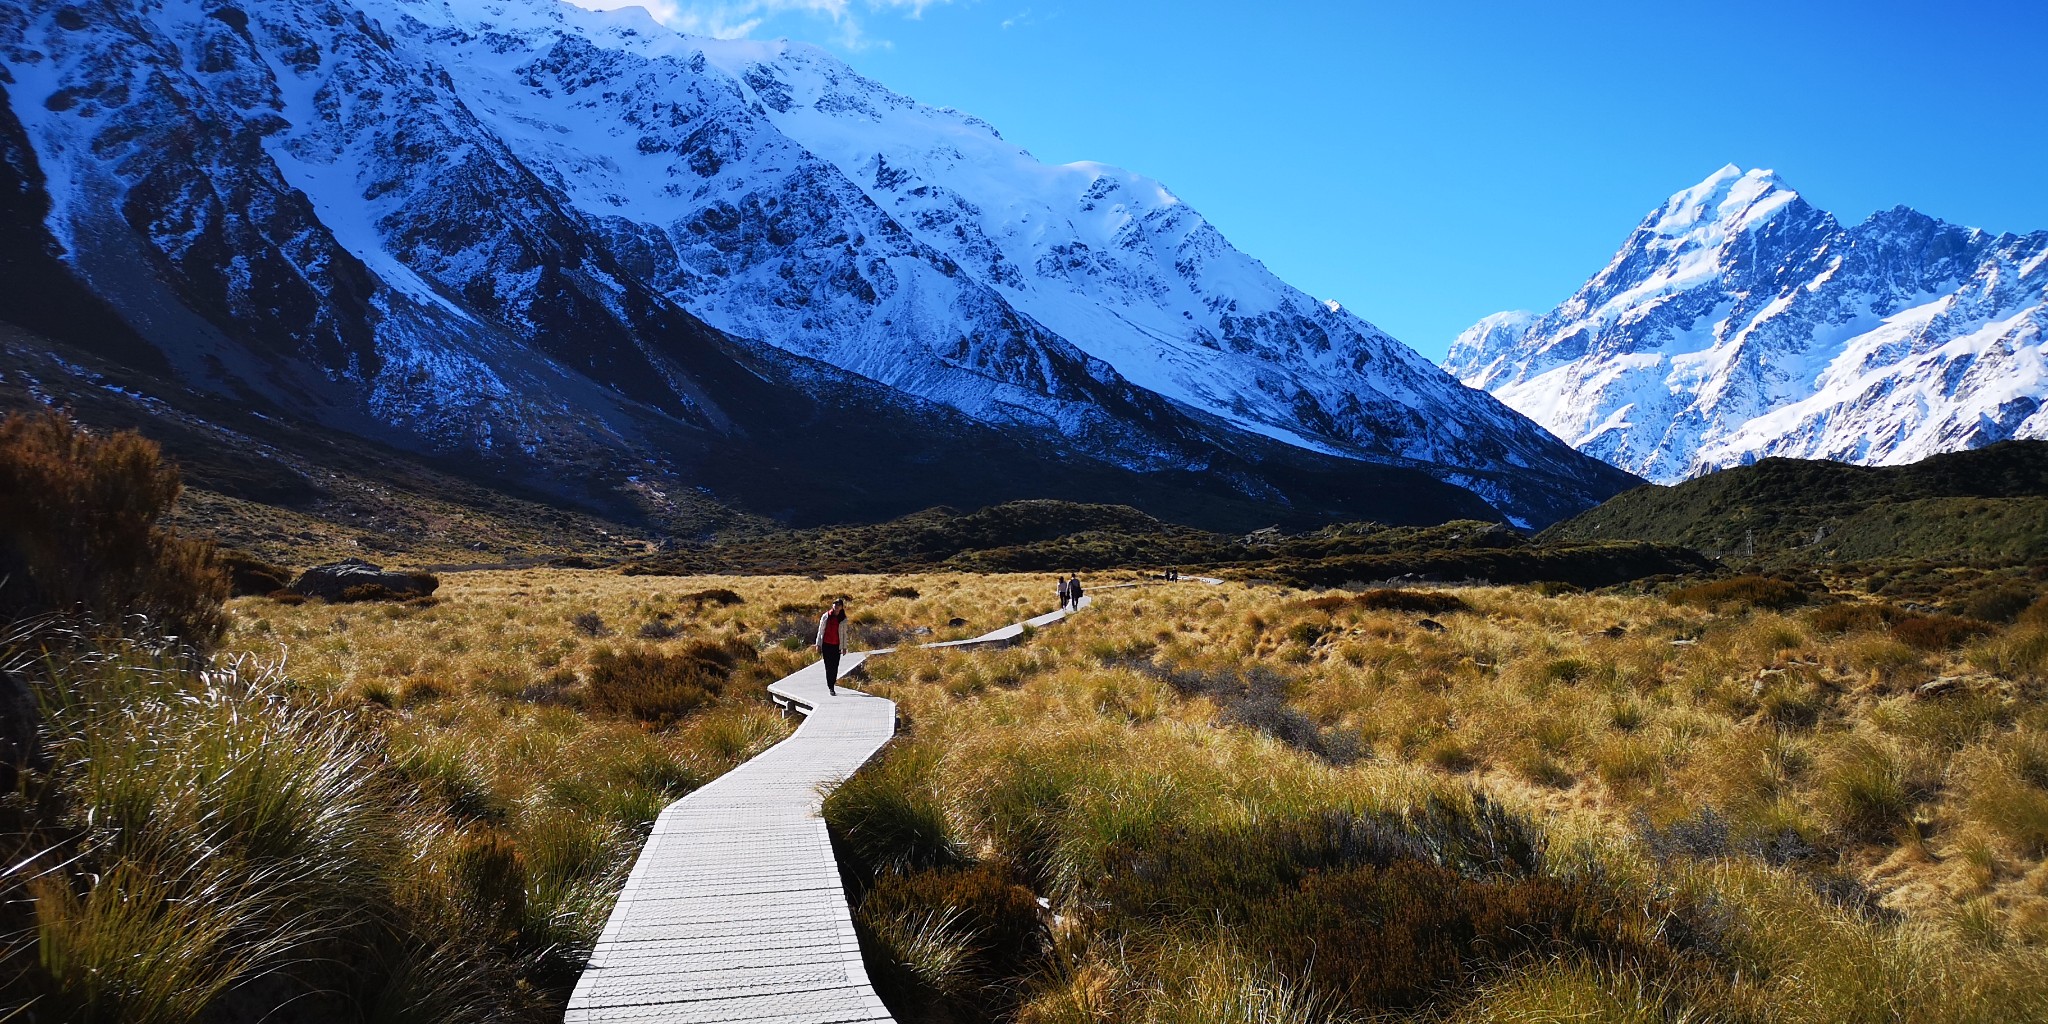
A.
x: 1757, y: 814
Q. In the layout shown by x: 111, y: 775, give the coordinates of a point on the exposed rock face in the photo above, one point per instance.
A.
x: 571, y: 246
x: 1739, y: 322
x: 353, y: 579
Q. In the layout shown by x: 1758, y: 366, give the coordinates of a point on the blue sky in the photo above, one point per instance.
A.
x: 1428, y: 163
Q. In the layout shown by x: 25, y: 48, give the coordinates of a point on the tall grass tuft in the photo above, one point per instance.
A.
x: 888, y: 818
x: 143, y: 943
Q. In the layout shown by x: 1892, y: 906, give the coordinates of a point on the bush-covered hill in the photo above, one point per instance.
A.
x: 1984, y: 506
x: 1053, y: 536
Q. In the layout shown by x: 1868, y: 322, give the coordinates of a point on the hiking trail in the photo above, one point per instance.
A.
x: 734, y: 911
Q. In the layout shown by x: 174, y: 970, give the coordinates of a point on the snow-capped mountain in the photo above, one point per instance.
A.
x: 1739, y: 322
x: 543, y: 234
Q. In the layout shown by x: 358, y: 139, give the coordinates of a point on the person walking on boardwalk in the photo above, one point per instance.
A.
x: 1063, y: 593
x: 831, y: 627
x: 1074, y: 591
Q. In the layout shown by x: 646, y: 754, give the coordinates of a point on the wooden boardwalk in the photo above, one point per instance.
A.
x: 734, y: 911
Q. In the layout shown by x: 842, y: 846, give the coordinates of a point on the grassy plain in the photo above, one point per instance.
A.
x: 1235, y: 803
x: 1715, y: 802
x: 1255, y: 804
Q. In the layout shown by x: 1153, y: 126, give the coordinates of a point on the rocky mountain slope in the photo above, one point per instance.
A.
x: 590, y: 254
x: 1739, y: 322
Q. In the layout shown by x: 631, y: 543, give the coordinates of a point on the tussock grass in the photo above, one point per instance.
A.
x: 1716, y: 799
x: 1191, y: 803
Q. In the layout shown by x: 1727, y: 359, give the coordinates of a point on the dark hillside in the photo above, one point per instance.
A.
x: 1055, y: 536
x: 1986, y: 505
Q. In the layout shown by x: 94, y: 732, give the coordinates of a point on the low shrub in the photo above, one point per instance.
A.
x: 716, y: 595
x: 590, y: 624
x: 1851, y: 616
x: 2001, y: 604
x: 1375, y: 912
x: 79, y: 533
x: 1938, y: 632
x: 1428, y: 602
x: 661, y: 688
x: 1763, y: 592
x: 1393, y: 938
x: 426, y: 582
x: 249, y: 576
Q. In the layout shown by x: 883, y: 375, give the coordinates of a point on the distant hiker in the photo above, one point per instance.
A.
x: 1064, y: 596
x: 1074, y: 591
x: 830, y: 626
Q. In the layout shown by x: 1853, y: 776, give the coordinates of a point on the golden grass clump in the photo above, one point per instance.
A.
x: 1750, y: 795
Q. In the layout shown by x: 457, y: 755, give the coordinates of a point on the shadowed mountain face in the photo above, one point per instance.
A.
x: 589, y: 256
x: 1739, y: 322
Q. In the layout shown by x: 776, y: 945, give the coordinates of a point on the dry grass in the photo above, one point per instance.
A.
x: 1777, y: 793
x: 1220, y: 792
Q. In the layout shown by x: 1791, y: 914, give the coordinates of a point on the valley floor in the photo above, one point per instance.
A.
x: 1748, y: 799
x: 1472, y: 802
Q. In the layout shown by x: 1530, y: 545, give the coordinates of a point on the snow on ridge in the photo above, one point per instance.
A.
x: 1737, y: 321
x: 1085, y: 257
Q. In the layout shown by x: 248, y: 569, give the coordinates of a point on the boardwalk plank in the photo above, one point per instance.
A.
x: 734, y: 912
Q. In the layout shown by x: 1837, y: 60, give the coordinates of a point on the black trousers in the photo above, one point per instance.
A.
x: 831, y: 653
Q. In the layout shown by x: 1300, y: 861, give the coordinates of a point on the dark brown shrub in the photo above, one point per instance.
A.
x: 1428, y: 602
x: 1742, y: 591
x: 590, y: 624
x: 1999, y: 604
x: 906, y: 593
x: 249, y: 576
x: 1850, y: 616
x: 1397, y: 937
x: 659, y: 687
x: 79, y: 533
x: 1377, y: 912
x: 286, y: 597
x: 1938, y: 632
x: 715, y: 595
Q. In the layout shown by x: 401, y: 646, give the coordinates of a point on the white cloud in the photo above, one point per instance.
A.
x: 734, y: 19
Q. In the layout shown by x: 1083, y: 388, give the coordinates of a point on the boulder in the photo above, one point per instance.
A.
x: 353, y: 579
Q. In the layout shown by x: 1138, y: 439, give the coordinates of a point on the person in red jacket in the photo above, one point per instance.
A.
x: 832, y: 626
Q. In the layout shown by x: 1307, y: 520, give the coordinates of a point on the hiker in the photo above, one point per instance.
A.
x: 830, y: 628
x: 1063, y: 593
x: 1074, y: 591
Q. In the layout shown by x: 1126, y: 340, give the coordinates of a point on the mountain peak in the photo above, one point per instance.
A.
x: 1730, y: 196
x: 1740, y: 322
